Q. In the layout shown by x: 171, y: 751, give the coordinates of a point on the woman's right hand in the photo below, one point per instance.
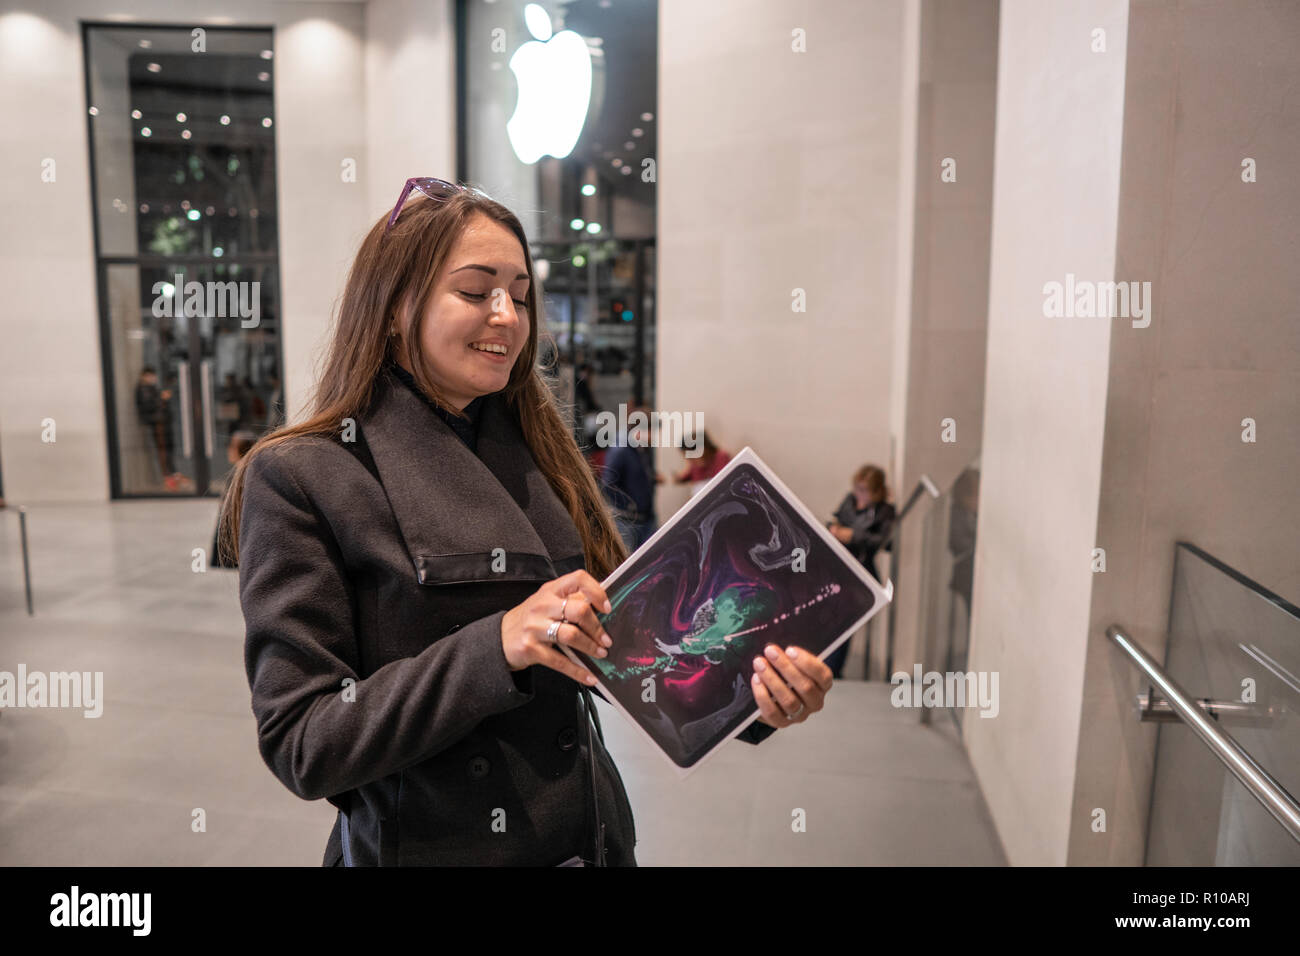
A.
x: 523, y: 629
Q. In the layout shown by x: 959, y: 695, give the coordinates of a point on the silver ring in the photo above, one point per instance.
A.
x: 563, y: 605
x: 552, y: 631
x: 795, y: 714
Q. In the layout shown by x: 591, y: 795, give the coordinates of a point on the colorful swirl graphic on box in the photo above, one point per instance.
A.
x: 741, y: 571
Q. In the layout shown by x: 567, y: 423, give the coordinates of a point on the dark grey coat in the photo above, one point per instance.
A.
x: 366, y: 572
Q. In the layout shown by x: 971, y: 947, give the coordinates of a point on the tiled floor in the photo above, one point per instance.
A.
x: 115, y: 592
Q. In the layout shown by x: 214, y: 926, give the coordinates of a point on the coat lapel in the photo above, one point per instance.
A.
x: 455, y: 508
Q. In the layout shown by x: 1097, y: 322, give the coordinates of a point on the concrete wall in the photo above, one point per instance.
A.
x: 948, y: 318
x: 410, y: 96
x: 344, y: 76
x: 780, y: 170
x: 1055, y: 203
x: 1207, y: 87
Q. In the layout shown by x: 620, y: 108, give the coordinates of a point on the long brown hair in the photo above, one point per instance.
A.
x: 873, y: 476
x: 402, y: 266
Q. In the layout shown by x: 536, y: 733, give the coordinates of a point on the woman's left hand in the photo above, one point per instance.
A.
x: 789, y: 685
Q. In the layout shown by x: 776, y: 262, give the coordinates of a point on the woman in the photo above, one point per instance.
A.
x: 701, y: 469
x: 863, y: 522
x: 412, y: 553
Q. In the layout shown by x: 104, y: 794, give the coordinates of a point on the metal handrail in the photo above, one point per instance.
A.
x: 1260, y: 784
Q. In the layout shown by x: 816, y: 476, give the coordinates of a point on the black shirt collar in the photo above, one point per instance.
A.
x: 466, y: 430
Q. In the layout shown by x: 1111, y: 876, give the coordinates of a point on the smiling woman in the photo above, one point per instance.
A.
x: 470, y: 355
x: 412, y: 554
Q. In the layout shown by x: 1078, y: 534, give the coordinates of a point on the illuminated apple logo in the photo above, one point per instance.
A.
x: 554, y: 77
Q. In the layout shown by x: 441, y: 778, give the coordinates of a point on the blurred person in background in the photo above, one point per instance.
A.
x: 862, y: 523
x: 152, y: 408
x: 629, y: 483
x: 701, y: 469
x: 238, y: 446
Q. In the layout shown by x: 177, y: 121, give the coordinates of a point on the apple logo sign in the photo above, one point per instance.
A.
x: 554, y: 77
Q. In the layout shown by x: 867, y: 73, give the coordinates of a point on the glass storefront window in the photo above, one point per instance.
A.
x: 557, y: 111
x: 182, y: 141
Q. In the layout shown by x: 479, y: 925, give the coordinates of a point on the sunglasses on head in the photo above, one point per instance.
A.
x: 432, y: 187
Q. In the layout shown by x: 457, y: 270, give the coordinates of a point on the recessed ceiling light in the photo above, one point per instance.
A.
x: 266, y: 122
x: 180, y: 117
x: 626, y: 170
x: 225, y: 120
x: 647, y: 117
x: 185, y: 134
x: 154, y: 67
x: 146, y: 44
x: 638, y: 131
x: 264, y: 76
x: 136, y: 114
x: 266, y: 54
x: 629, y: 145
x: 589, y: 189
x: 616, y: 162
x: 146, y: 131
x: 94, y: 111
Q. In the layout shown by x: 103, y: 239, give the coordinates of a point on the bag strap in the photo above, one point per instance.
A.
x: 591, y: 717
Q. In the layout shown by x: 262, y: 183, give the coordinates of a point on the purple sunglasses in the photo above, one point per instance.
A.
x: 432, y: 187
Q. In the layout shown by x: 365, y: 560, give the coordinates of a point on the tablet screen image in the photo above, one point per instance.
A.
x: 741, y: 565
